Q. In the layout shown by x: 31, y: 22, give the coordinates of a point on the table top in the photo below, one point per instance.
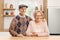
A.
x: 30, y: 38
x: 7, y: 36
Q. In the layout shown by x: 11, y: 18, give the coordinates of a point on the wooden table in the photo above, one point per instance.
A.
x: 7, y: 36
x: 30, y: 38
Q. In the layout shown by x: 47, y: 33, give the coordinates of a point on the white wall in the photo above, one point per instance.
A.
x: 54, y: 16
x: 53, y: 2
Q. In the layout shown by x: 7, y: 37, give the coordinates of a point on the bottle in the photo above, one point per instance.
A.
x: 11, y: 6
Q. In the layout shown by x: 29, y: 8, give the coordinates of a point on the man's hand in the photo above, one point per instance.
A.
x: 20, y: 35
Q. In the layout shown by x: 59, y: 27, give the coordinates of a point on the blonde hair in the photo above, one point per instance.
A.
x: 37, y: 12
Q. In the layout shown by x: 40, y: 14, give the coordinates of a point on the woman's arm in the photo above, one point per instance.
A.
x: 46, y: 31
x: 43, y: 34
x: 29, y: 31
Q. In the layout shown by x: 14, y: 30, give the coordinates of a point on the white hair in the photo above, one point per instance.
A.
x: 37, y: 12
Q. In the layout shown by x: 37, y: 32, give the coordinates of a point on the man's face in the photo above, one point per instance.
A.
x: 23, y: 10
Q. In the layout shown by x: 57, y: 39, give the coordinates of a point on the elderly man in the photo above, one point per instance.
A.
x: 20, y: 23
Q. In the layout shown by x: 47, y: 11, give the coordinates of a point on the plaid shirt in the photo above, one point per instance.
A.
x: 19, y: 25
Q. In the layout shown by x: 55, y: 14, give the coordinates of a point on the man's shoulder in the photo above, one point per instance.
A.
x: 15, y: 17
x: 28, y: 17
x: 32, y: 21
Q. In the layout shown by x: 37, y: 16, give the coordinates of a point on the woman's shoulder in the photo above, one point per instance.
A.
x: 43, y: 20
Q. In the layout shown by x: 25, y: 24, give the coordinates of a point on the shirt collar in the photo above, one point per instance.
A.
x: 21, y: 16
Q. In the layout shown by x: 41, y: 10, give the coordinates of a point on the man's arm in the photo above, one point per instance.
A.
x: 12, y: 27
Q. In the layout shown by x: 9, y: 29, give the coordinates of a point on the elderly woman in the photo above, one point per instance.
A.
x: 38, y: 27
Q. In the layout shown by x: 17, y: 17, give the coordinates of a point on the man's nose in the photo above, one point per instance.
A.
x: 23, y: 10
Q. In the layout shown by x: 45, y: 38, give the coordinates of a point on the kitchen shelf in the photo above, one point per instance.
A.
x: 8, y: 9
x: 8, y: 15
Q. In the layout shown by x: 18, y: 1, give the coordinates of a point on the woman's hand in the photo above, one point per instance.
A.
x: 34, y: 34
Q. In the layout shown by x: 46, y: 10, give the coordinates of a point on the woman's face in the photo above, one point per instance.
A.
x: 38, y: 16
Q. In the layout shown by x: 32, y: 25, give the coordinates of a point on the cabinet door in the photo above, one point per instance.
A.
x: 1, y: 15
